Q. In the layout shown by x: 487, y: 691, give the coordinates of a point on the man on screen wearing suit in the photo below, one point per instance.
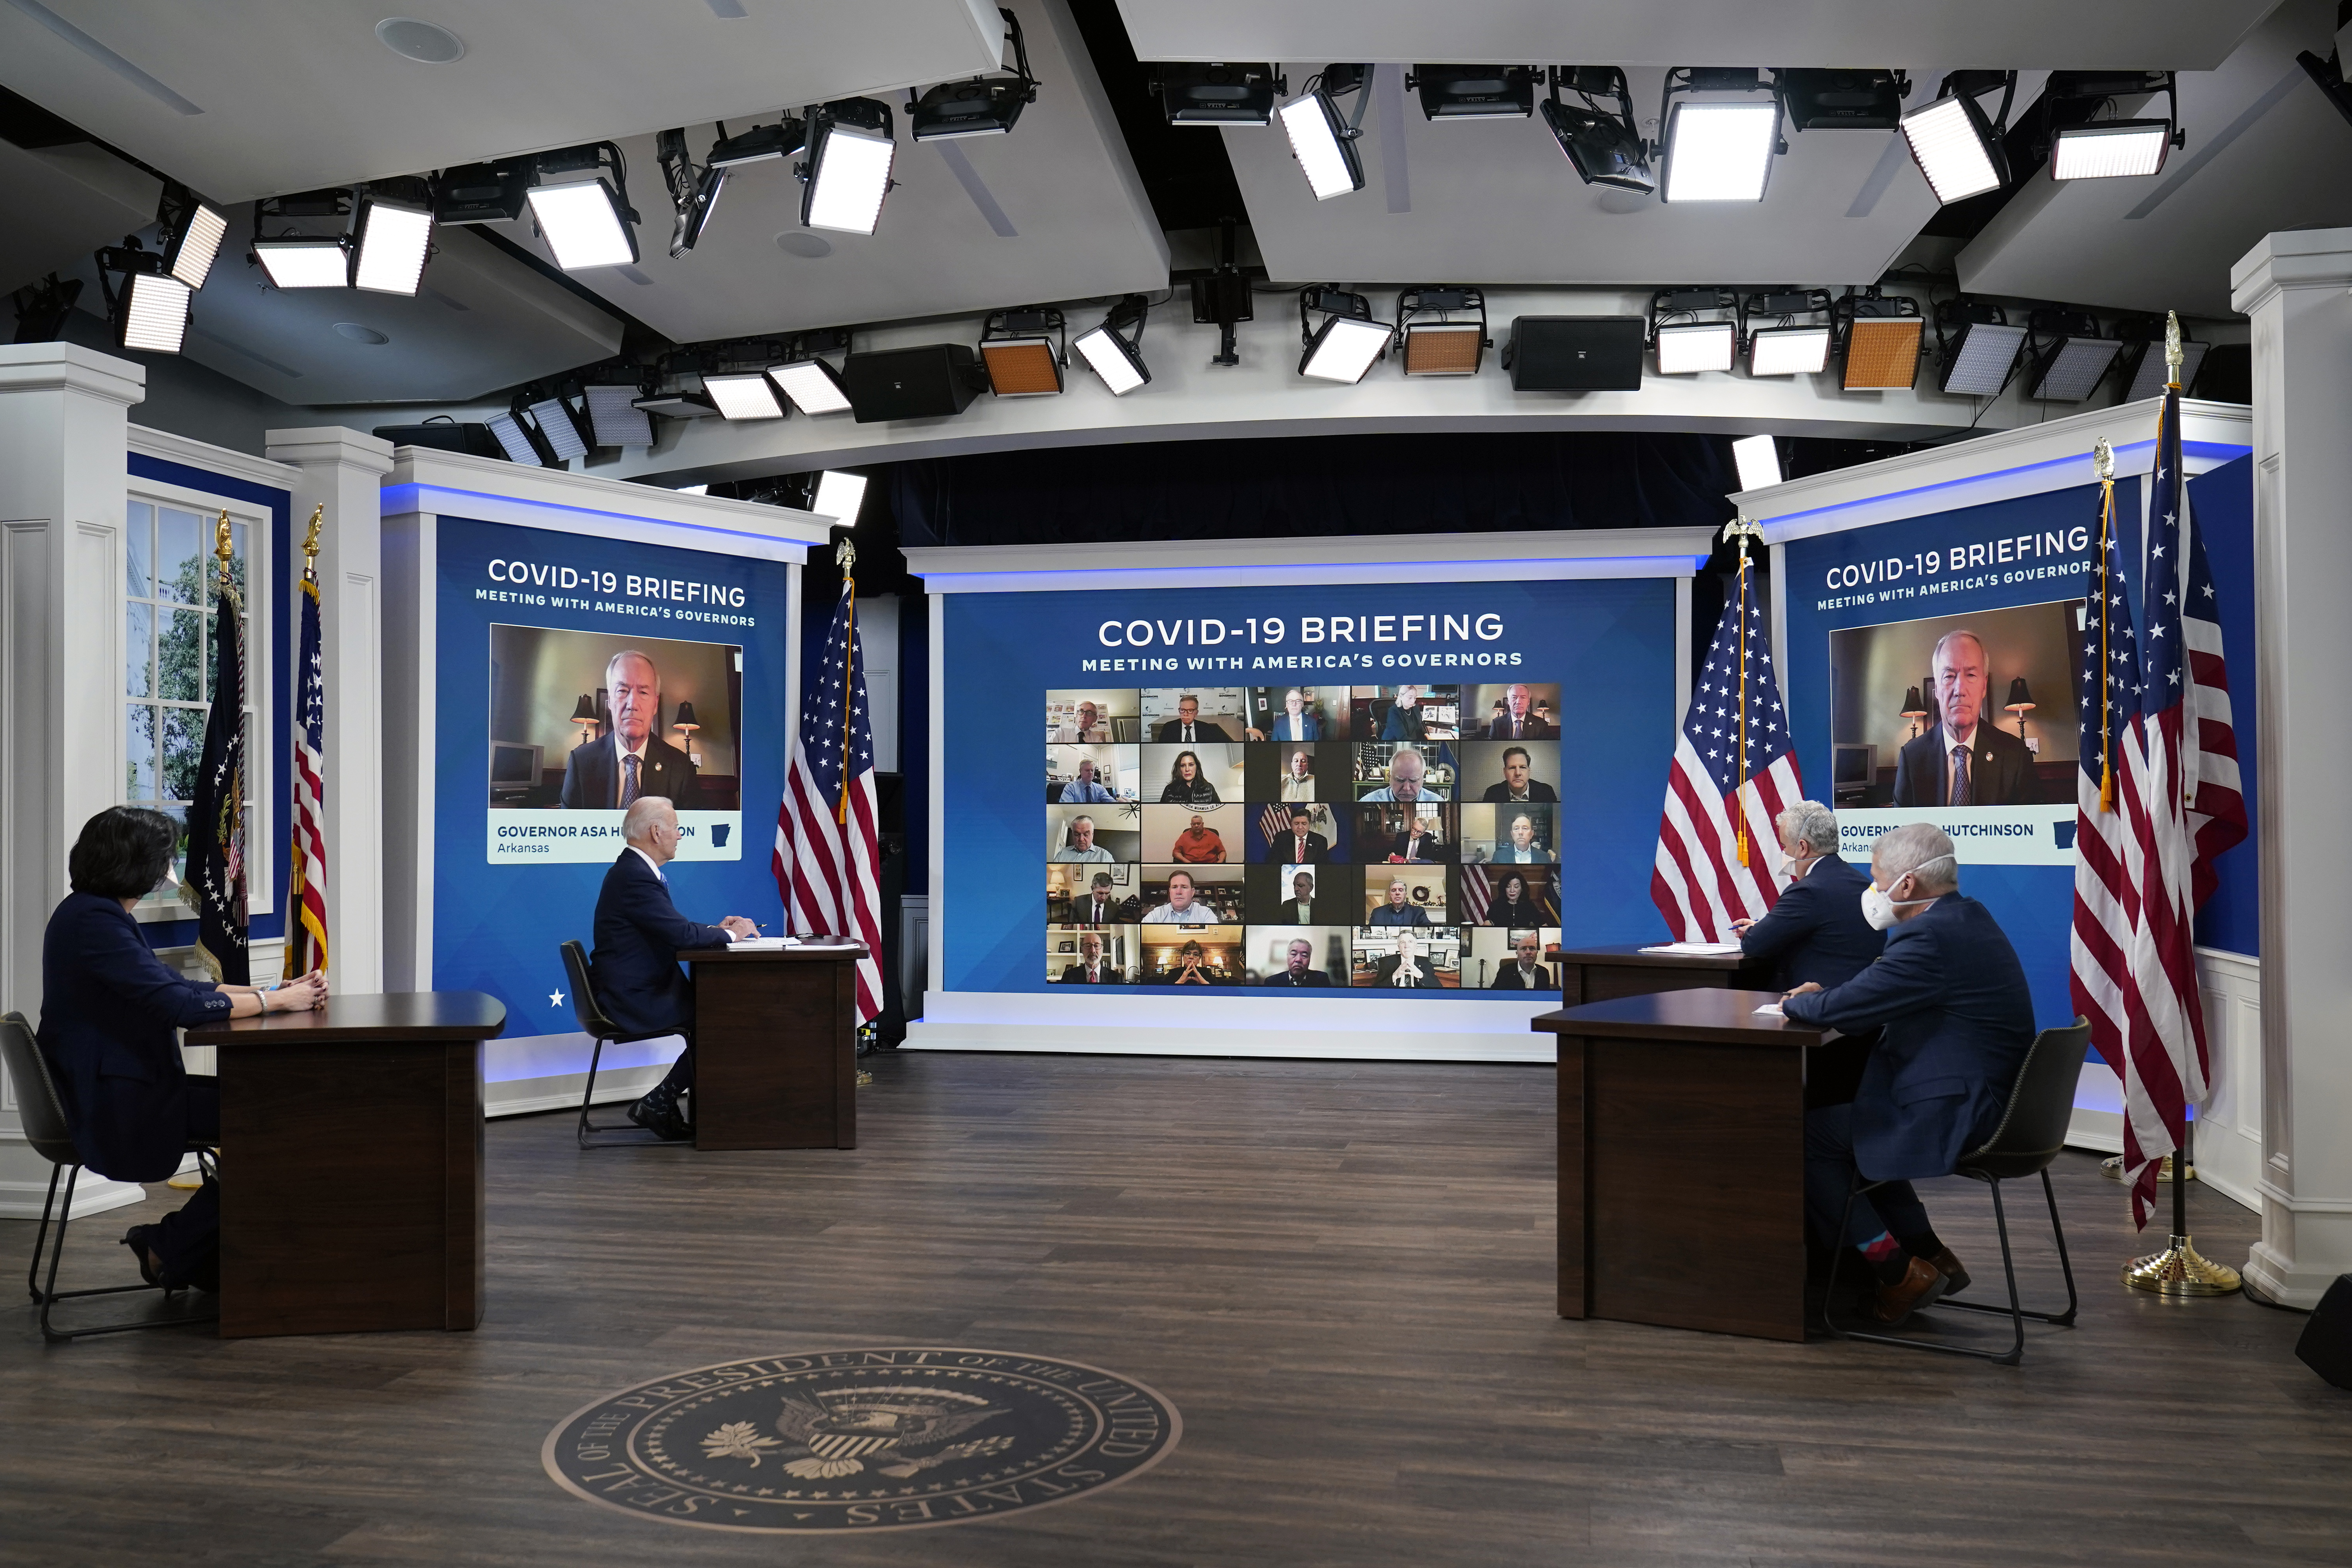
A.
x: 1300, y: 910
x: 1091, y: 969
x: 639, y: 934
x: 1962, y: 759
x: 1957, y: 1020
x: 1397, y: 908
x: 1301, y: 845
x: 1521, y: 847
x: 1517, y: 784
x: 1524, y: 974
x: 1098, y: 908
x: 1087, y: 726
x: 1517, y: 722
x: 1298, y: 973
x: 1417, y: 843
x: 1816, y: 932
x: 631, y: 762
x: 1407, y: 971
x: 1187, y: 728
x: 1085, y: 789
x: 1296, y: 723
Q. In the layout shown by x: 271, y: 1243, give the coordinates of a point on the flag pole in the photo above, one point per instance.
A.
x: 845, y: 555
x: 1741, y: 530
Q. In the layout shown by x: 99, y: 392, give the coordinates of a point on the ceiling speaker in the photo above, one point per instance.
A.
x: 1576, y: 353
x: 925, y: 383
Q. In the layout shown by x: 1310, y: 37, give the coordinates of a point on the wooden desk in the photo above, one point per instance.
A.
x: 775, y: 1046
x: 1682, y: 1161
x: 352, y: 1164
x: 1605, y: 974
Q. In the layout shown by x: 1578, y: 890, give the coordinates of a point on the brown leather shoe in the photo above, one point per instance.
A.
x: 1955, y: 1276
x: 1921, y: 1283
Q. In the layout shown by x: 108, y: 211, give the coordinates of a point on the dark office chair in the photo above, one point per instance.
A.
x: 2032, y: 1132
x: 590, y: 1013
x: 52, y: 1136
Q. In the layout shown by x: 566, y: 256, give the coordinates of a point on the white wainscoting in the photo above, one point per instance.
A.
x: 2229, y: 1141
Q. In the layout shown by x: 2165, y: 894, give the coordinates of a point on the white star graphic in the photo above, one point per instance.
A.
x: 555, y: 998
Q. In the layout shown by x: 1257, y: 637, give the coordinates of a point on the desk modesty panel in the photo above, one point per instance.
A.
x: 352, y: 1196
x: 775, y: 1046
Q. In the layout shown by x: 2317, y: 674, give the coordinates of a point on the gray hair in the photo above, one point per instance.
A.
x: 1956, y: 633
x: 1811, y: 824
x: 636, y: 654
x: 1921, y: 849
x: 642, y: 813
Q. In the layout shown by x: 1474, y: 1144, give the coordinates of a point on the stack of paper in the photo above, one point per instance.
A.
x: 1696, y: 948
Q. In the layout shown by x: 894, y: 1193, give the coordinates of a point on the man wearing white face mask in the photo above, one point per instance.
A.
x: 1958, y: 1020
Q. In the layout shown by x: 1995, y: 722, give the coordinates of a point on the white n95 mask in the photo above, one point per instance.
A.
x: 1878, y: 907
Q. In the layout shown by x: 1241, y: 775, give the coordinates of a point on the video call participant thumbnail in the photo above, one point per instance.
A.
x: 1302, y: 895
x: 1516, y: 902
x: 1101, y: 906
x: 1404, y: 721
x: 1522, y: 844
x: 1082, y: 845
x: 1088, y: 725
x: 1085, y: 789
x: 1519, y: 721
x: 1091, y: 968
x: 1300, y: 845
x: 1525, y: 973
x: 1298, y: 972
x: 1962, y: 759
x: 1188, y: 783
x: 1188, y: 727
x: 1519, y: 781
x: 1406, y: 778
x: 1416, y: 838
x: 1397, y: 908
x: 1185, y: 907
x: 1407, y: 969
x: 1198, y: 845
x: 1298, y: 774
x: 630, y: 761
x: 1297, y: 721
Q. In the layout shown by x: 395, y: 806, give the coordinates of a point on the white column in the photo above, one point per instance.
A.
x: 64, y: 437
x: 344, y: 469
x: 2294, y: 288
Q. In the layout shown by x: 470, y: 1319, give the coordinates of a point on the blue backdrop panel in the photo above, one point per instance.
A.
x: 1609, y: 644
x: 496, y: 928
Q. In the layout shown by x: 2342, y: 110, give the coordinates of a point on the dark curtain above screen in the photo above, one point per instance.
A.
x: 1315, y: 485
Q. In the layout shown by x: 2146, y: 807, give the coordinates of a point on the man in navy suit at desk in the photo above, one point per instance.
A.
x: 1816, y: 932
x: 1957, y: 1020
x: 639, y: 934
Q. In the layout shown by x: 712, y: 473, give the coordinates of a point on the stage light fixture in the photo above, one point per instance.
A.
x: 743, y: 395
x: 1348, y: 343
x: 812, y: 384
x: 192, y: 230
x: 586, y: 225
x: 693, y: 188
x: 1434, y: 343
x: 514, y: 441
x: 316, y: 262
x: 2141, y: 362
x: 1024, y: 351
x: 678, y: 403
x: 1475, y: 93
x: 1759, y: 460
x: 1955, y: 147
x: 2070, y: 358
x: 1323, y: 143
x: 1880, y: 335
x: 1113, y: 352
x: 482, y: 192
x: 616, y: 416
x: 392, y: 238
x: 1225, y: 298
x: 760, y: 144
x: 42, y: 308
x: 1978, y: 347
x: 848, y: 171
x: 1684, y: 341
x: 839, y: 495
x: 2083, y: 147
x: 1787, y: 346
x: 154, y: 314
x: 1842, y: 98
x: 983, y: 106
x: 1219, y: 94
x: 1718, y: 149
x: 558, y: 421
x: 1604, y: 149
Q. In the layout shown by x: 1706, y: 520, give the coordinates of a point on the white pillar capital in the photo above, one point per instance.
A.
x: 69, y: 367
x: 2298, y: 258
x: 329, y: 444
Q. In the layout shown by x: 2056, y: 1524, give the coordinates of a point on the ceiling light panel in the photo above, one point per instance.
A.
x: 563, y: 432
x: 839, y: 495
x: 2148, y: 378
x: 1882, y: 354
x: 582, y: 221
x: 743, y: 395
x: 1443, y: 348
x: 1111, y: 357
x: 2110, y: 150
x: 513, y: 439
x: 2072, y: 371
x: 1022, y: 367
x: 1953, y: 144
x: 1759, y: 458
x: 304, y: 263
x: 615, y: 419
x: 393, y: 241
x: 1981, y: 359
x: 155, y: 313
x: 1720, y: 151
x: 851, y: 176
x: 1686, y: 350
x: 813, y: 386
x: 1788, y: 350
x: 1333, y: 167
x: 198, y: 243
x: 1343, y: 349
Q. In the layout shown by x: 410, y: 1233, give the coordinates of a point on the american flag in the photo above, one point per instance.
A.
x: 306, y: 883
x: 1733, y: 771
x: 2107, y: 892
x: 2187, y: 808
x: 826, y: 863
x: 213, y: 880
x: 1475, y: 895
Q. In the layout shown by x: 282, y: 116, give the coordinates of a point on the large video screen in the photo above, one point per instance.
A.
x: 1394, y: 818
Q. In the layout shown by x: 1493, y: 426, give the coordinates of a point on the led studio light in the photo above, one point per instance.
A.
x: 556, y: 422
x: 757, y: 145
x: 1788, y: 350
x: 983, y: 106
x: 1686, y: 350
x: 743, y: 395
x: 154, y: 313
x: 393, y: 239
x: 1022, y: 367
x: 1956, y: 148
x: 318, y: 263
x: 583, y: 222
x: 615, y: 419
x: 1475, y: 93
x: 514, y: 441
x: 196, y: 229
x: 850, y: 153
x: 2110, y: 149
x: 1343, y: 349
x: 813, y: 386
x: 1218, y: 94
x: 2071, y: 369
x: 2145, y: 368
x: 1443, y: 348
x: 1112, y: 354
x: 1980, y: 354
x: 1720, y: 151
x: 1604, y: 149
x: 839, y: 495
x: 1323, y: 143
x: 1759, y: 458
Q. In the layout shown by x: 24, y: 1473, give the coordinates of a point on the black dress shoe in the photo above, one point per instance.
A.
x: 660, y: 1117
x: 136, y: 1239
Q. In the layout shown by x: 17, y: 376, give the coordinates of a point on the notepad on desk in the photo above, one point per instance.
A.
x: 763, y: 943
x: 1770, y: 1010
x: 1696, y: 948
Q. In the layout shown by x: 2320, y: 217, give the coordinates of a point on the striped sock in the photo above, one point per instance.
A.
x: 1886, y: 1256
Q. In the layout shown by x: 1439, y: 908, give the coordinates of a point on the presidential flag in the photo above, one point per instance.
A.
x: 2107, y: 887
x: 306, y: 879
x: 828, y: 865
x: 1734, y: 771
x: 213, y: 882
x: 2186, y: 808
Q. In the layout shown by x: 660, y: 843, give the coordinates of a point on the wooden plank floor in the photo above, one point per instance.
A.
x: 1341, y: 1273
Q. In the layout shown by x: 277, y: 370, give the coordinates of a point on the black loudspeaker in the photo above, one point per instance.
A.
x: 2326, y: 1343
x: 924, y: 382
x: 1576, y: 353
x: 473, y: 439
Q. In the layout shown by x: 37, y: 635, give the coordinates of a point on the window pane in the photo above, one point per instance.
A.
x: 180, y: 653
x: 138, y: 651
x: 139, y: 752
x: 180, y: 558
x: 184, y: 750
x: 138, y: 549
x: 178, y: 813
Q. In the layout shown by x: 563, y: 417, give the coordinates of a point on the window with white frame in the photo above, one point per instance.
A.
x: 169, y: 650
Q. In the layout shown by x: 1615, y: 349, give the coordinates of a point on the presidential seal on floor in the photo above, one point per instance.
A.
x: 860, y: 1440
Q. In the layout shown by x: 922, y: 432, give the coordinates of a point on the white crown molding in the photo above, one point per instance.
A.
x: 457, y: 484
x: 44, y: 367
x: 165, y: 446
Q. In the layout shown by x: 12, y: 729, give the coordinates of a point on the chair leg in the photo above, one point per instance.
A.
x: 50, y: 1296
x: 2066, y: 1267
x: 588, y: 1095
x: 2064, y: 1319
x: 41, y: 1237
x: 587, y: 1127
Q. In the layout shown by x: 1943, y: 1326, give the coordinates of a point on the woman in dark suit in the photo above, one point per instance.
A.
x: 1514, y: 906
x: 1187, y: 785
x: 110, y: 1008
